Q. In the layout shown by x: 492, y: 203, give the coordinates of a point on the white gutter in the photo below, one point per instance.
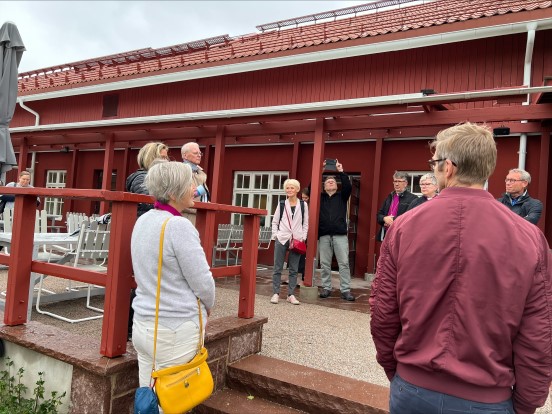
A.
x: 37, y: 116
x: 522, y: 154
x: 412, y: 98
x: 299, y: 59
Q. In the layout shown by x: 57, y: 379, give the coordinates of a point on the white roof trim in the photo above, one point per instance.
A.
x: 283, y: 109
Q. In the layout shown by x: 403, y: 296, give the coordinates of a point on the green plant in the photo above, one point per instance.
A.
x: 12, y: 394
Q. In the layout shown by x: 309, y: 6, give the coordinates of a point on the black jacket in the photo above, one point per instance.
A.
x: 417, y: 202
x: 135, y: 184
x: 528, y: 208
x: 333, y: 210
x: 405, y: 198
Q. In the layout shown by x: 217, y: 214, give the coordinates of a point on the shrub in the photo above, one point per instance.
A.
x: 12, y: 394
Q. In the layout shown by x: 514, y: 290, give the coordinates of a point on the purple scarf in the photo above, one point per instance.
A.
x: 394, y: 207
x: 166, y: 207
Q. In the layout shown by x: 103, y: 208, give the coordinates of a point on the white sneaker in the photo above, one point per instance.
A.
x: 293, y: 300
x: 274, y: 298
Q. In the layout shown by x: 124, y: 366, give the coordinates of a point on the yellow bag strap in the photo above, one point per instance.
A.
x: 158, y: 294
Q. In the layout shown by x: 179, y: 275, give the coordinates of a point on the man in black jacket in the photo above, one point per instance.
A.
x: 332, y: 234
x: 516, y: 197
x: 395, y: 204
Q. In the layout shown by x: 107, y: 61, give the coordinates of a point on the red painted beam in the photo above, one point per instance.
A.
x: 248, y: 280
x: 314, y: 205
x: 118, y: 281
x: 19, y: 272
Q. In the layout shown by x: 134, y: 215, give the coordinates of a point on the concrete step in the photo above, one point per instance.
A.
x: 307, y: 389
x: 229, y: 401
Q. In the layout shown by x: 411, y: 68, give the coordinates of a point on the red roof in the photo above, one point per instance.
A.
x: 153, y: 61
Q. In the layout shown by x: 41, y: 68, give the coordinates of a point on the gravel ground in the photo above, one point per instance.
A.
x: 332, y: 340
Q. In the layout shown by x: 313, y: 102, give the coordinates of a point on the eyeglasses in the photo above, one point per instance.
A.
x: 426, y: 184
x: 511, y: 180
x: 433, y: 162
x: 399, y: 181
x: 197, y: 153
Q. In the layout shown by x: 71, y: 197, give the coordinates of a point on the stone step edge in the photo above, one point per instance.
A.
x: 229, y: 401
x: 304, y: 388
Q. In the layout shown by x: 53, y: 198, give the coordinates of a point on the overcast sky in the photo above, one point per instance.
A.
x: 57, y: 32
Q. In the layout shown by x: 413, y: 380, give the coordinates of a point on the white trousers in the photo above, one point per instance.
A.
x: 174, y: 347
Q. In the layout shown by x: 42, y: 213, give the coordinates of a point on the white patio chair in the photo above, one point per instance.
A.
x: 265, y: 240
x: 91, y: 254
x: 223, y: 243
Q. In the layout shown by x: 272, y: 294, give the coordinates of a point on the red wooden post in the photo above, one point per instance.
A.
x: 544, y: 174
x: 374, y: 209
x: 314, y: 205
x: 23, y: 153
x: 246, y: 307
x: 205, y: 224
x: 107, y: 170
x: 218, y: 165
x: 119, y: 280
x: 21, y: 253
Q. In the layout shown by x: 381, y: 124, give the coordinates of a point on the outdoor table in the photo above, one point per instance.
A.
x: 40, y: 239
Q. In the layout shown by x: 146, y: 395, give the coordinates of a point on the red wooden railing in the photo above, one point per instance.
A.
x: 118, y: 280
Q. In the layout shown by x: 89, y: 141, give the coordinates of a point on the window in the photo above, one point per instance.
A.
x: 258, y: 190
x: 55, y: 179
x: 414, y: 181
x: 110, y: 105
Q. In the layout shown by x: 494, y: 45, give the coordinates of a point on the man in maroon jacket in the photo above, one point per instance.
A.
x: 461, y: 305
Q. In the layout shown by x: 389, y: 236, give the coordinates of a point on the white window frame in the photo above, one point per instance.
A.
x: 255, y: 193
x: 54, y: 205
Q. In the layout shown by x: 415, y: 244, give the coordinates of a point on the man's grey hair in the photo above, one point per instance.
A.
x: 188, y: 146
x: 429, y: 176
x: 523, y: 175
x: 401, y: 175
x: 168, y: 179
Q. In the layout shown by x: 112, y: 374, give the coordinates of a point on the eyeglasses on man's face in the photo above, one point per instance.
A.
x: 199, y: 153
x: 432, y: 163
x: 425, y: 184
x: 511, y: 180
x: 399, y: 181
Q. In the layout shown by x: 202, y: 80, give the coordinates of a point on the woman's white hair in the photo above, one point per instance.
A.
x: 168, y: 179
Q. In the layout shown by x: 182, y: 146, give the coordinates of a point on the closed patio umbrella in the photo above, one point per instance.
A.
x: 11, y: 51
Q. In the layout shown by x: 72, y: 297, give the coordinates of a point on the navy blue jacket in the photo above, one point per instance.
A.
x: 527, y: 207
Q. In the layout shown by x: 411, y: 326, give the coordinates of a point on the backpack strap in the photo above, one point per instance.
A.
x: 282, y: 208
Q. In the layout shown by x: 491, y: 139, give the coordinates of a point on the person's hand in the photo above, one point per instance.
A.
x: 388, y: 220
x: 339, y: 166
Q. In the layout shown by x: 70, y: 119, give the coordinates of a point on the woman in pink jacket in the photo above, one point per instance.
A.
x: 290, y: 220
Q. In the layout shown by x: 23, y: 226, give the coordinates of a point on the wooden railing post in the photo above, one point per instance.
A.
x: 21, y: 255
x: 246, y: 308
x: 119, y: 280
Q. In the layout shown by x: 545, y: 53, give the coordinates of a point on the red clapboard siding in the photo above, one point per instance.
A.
x: 475, y: 65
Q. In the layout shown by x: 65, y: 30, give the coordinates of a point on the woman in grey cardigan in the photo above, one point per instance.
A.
x: 185, y: 273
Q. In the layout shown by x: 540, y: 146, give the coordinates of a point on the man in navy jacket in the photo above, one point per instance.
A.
x: 516, y: 197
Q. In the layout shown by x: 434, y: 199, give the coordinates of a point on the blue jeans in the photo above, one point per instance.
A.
x: 406, y: 398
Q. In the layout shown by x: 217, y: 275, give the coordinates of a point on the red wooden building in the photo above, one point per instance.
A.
x: 369, y: 85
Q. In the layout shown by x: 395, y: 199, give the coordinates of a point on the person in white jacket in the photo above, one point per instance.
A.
x: 292, y: 222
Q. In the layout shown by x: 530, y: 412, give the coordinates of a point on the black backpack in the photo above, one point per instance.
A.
x: 283, y: 206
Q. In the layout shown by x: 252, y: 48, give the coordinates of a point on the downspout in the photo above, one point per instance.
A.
x: 36, y: 114
x: 527, y: 82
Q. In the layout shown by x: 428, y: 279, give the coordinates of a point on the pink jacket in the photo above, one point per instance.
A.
x: 284, y: 233
x: 462, y: 301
